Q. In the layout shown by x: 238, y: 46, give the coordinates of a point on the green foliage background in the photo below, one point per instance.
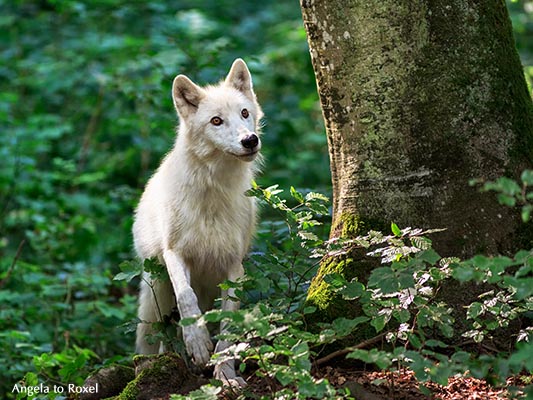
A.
x: 85, y: 117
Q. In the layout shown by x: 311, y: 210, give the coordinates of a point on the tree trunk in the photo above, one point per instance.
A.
x: 419, y: 97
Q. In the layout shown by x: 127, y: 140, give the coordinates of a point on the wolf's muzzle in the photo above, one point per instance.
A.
x: 250, y: 141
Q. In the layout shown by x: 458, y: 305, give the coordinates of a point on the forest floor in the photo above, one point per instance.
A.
x: 402, y: 385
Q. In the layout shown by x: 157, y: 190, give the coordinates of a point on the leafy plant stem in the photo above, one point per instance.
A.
x: 13, y: 263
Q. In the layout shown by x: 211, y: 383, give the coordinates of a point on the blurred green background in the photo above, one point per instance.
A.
x: 85, y: 117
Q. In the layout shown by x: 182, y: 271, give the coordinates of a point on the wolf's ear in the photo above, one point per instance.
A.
x: 186, y: 95
x: 239, y: 78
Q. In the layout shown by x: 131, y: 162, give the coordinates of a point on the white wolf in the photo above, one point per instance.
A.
x: 194, y: 215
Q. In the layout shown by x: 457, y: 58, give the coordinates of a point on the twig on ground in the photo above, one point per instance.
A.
x: 347, y: 350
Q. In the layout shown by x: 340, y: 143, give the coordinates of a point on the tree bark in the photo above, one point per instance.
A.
x: 420, y: 97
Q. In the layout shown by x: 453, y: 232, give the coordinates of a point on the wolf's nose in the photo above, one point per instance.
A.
x: 250, y: 141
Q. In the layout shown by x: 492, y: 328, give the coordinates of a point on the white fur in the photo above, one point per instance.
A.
x: 193, y: 214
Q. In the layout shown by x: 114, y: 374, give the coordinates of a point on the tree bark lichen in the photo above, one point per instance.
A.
x: 418, y: 99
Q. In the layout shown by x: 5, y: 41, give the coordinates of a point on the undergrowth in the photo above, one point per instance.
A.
x: 272, y: 338
x: 413, y: 327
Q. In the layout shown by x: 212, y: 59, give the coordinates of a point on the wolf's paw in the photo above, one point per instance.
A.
x: 226, y: 373
x: 235, y: 383
x: 198, y: 344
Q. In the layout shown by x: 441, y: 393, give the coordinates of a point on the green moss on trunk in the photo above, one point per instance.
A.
x: 320, y: 295
x: 418, y: 99
x: 355, y: 265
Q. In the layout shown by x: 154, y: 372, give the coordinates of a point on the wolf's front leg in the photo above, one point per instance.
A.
x: 225, y: 371
x: 196, y: 336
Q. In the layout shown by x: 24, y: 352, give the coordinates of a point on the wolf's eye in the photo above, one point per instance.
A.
x: 216, y: 121
x: 245, y: 113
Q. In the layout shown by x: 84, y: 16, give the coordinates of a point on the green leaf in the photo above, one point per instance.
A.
x: 300, y: 356
x: 526, y: 212
x: 385, y: 279
x: 382, y: 359
x: 521, y: 359
x: 474, y: 310
x: 405, y: 280
x: 317, y: 203
x: 436, y: 343
x: 271, y: 191
x: 89, y: 178
x: 187, y: 321
x: 426, y: 391
x: 506, y: 200
x: 430, y: 256
x: 463, y: 273
x: 446, y: 330
x: 31, y: 379
x: 317, y: 208
x: 523, y: 286
x: 254, y: 192
x: 481, y: 261
x: 344, y: 326
x: 284, y: 375
x: 527, y: 177
x: 505, y: 185
x: 305, y: 235
x: 309, y: 310
x: 155, y: 269
x: 523, y: 271
x: 395, y: 230
x: 461, y: 357
x: 297, y: 195
x: 130, y: 269
x: 402, y: 315
x: 380, y: 321
x: 335, y: 280
x: 316, y: 196
x: 440, y: 374
x: 414, y: 340
x: 421, y: 242
x: 352, y: 290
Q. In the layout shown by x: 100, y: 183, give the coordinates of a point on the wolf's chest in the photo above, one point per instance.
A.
x: 214, y: 230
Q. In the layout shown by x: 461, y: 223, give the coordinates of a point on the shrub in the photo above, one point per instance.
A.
x: 399, y: 301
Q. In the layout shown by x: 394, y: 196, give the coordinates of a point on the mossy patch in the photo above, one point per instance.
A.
x: 355, y: 264
x: 159, y: 376
x: 349, y: 225
x: 110, y: 380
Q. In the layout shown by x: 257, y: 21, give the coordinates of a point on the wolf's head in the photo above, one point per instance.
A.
x: 221, y: 119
